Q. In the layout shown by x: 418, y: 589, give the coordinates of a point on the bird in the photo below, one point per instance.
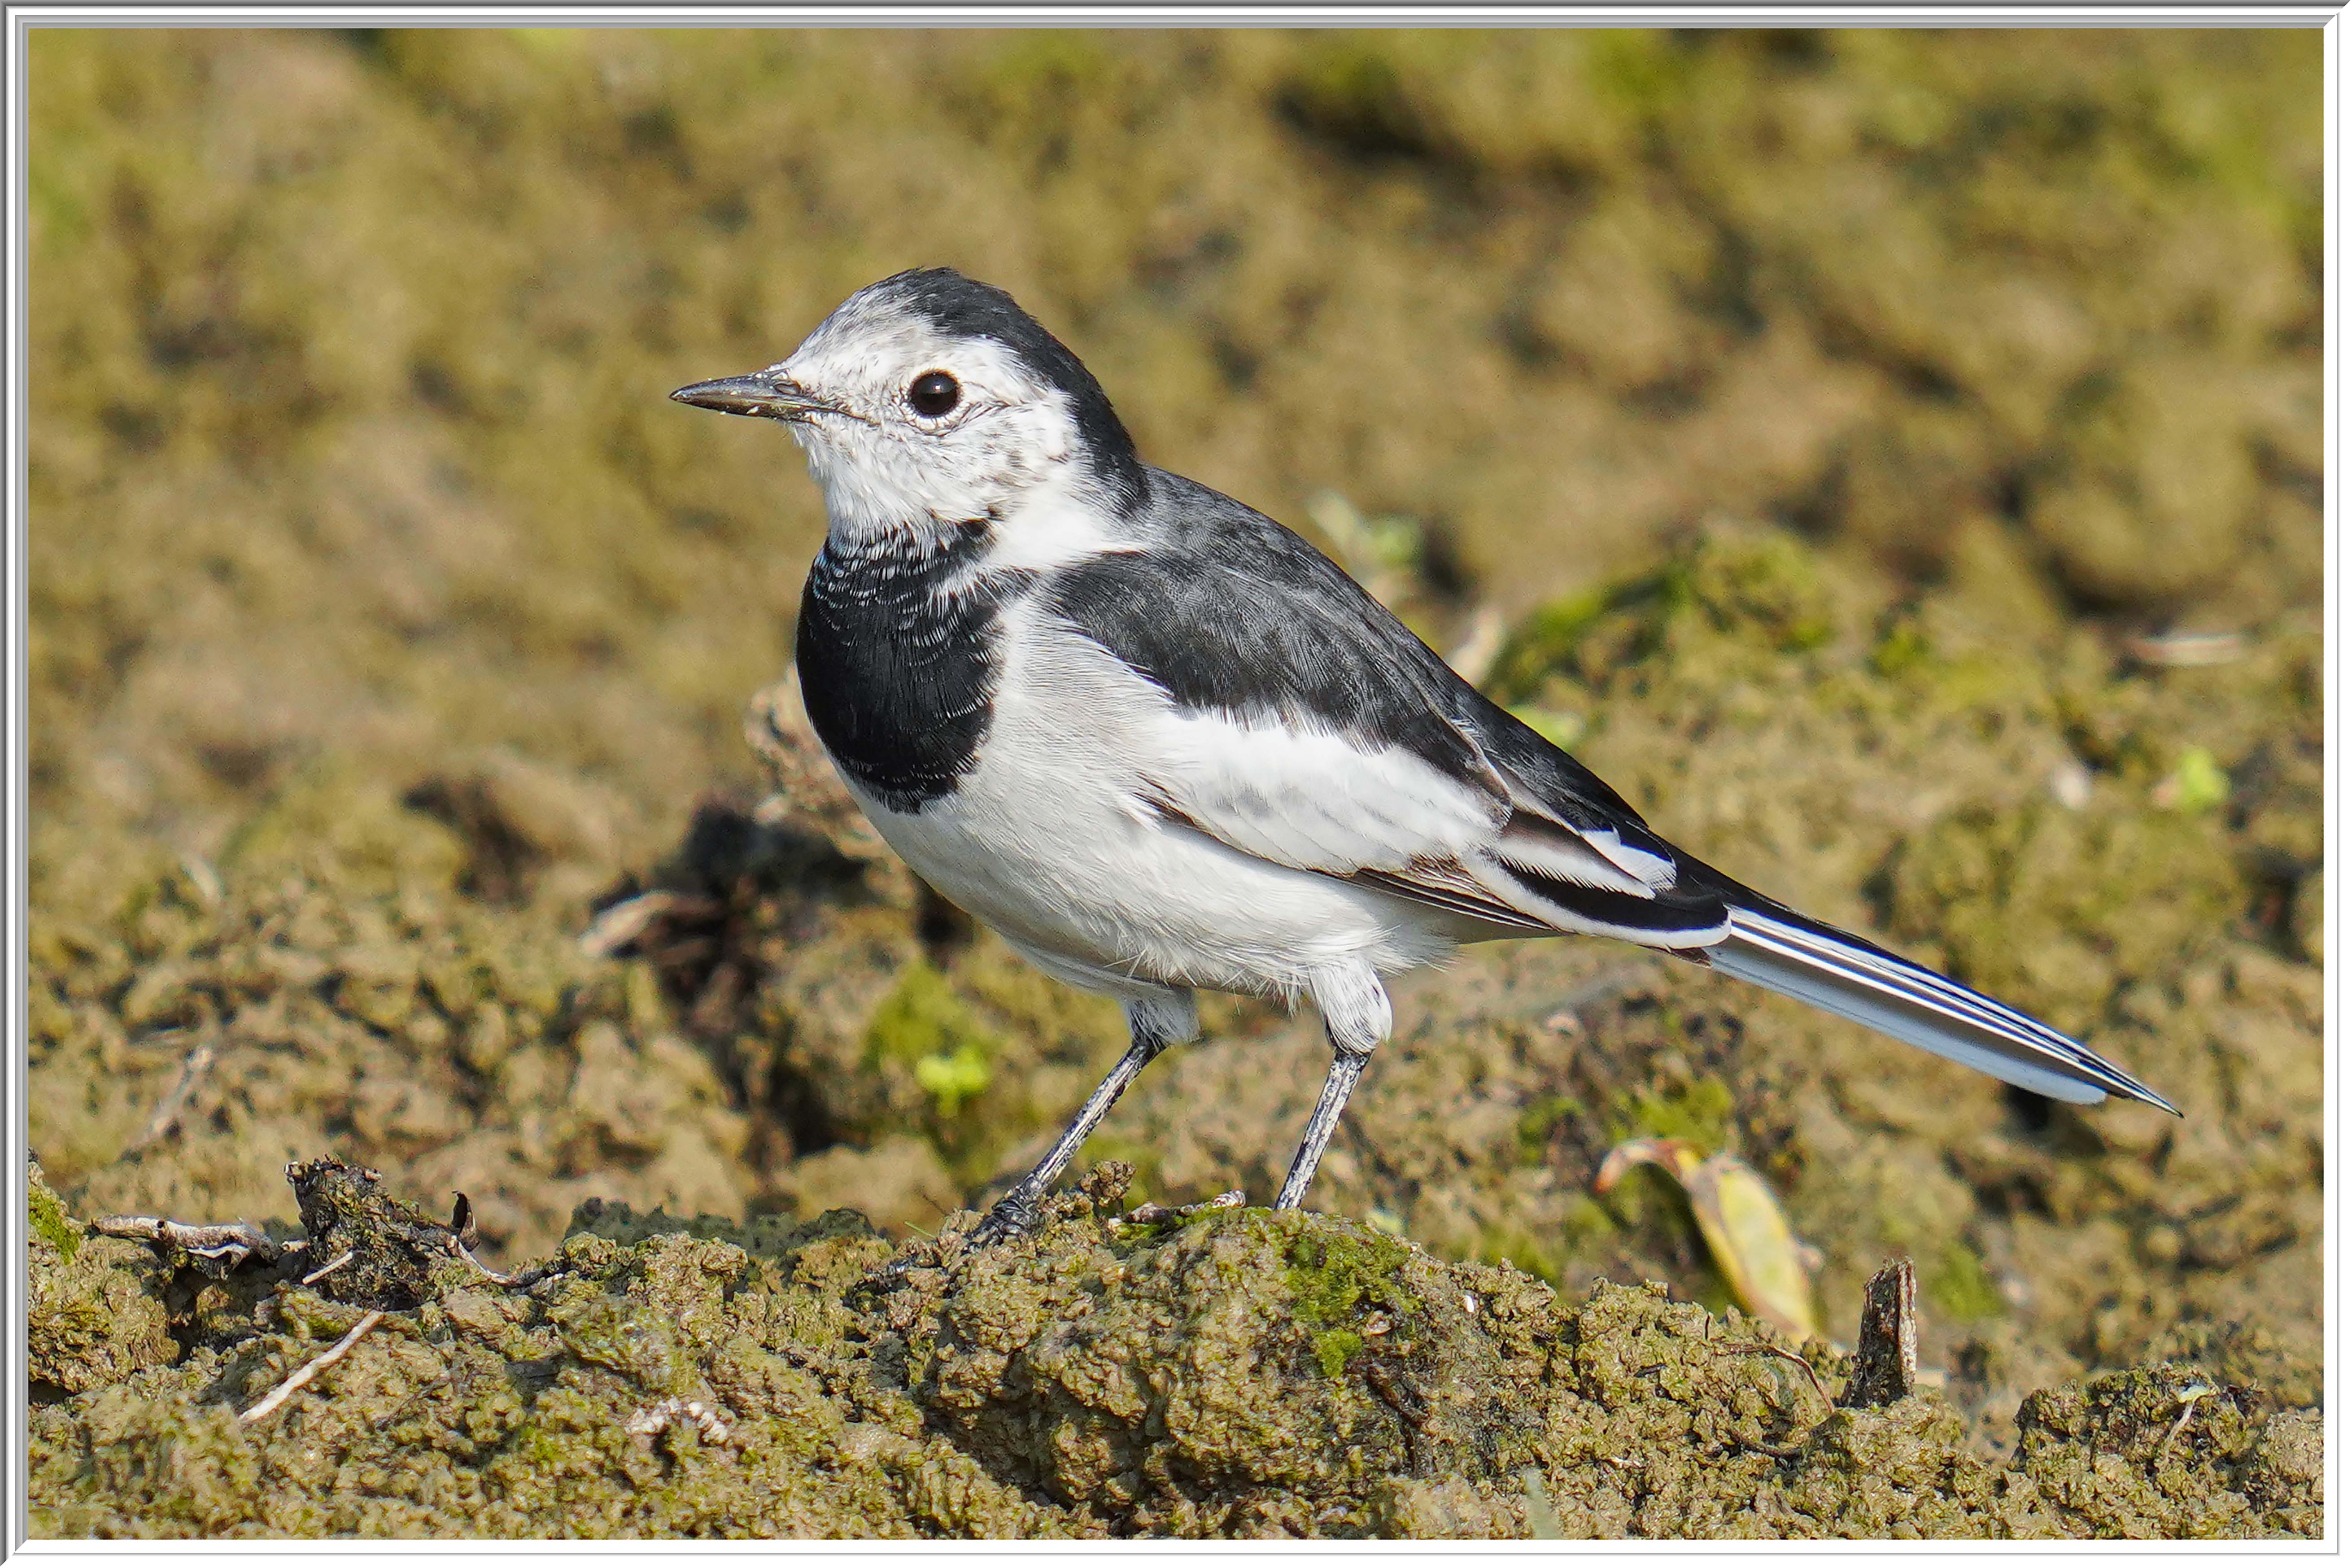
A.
x: 1161, y: 743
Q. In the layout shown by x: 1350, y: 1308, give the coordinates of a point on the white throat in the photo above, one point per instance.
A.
x: 1044, y: 511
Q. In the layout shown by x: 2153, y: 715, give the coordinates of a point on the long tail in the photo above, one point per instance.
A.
x: 1772, y: 946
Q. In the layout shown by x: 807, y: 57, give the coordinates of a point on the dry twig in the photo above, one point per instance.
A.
x: 1803, y: 1365
x: 203, y: 880
x: 311, y: 1369
x: 461, y: 1242
x: 234, y: 1241
x: 2188, y: 1396
x: 2186, y: 650
x: 1151, y: 1214
x: 324, y: 1270
x: 1770, y: 1450
x: 619, y: 926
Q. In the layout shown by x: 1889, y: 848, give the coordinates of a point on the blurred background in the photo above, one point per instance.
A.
x: 1893, y: 457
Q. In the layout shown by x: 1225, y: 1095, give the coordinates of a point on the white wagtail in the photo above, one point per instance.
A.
x: 1160, y: 742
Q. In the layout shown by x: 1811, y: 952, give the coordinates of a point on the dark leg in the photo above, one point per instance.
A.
x: 1346, y: 1067
x: 1015, y: 1213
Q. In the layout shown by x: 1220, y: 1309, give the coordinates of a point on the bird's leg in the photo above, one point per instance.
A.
x: 1356, y: 1017
x: 1346, y: 1066
x: 1015, y: 1213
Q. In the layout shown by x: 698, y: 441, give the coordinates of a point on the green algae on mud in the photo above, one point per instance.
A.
x: 95, y: 1314
x: 344, y: 972
x: 667, y: 1377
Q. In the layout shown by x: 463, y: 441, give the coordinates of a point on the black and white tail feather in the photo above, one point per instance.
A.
x: 1854, y: 979
x: 1160, y: 742
x: 1698, y: 913
x: 1672, y: 899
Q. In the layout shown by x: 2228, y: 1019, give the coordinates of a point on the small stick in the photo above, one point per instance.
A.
x: 324, y: 1270
x: 461, y: 1242
x: 205, y: 879
x: 1152, y: 1214
x: 242, y: 1236
x: 621, y: 925
x: 492, y: 1275
x: 176, y: 1100
x: 1802, y: 1364
x: 311, y: 1369
x: 2186, y: 650
x: 444, y: 1380
x: 1770, y: 1450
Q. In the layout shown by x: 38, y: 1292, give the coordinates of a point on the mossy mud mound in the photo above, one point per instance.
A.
x: 776, y: 1020
x: 1222, y: 1373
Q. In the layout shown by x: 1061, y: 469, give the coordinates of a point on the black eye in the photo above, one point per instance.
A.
x: 933, y: 394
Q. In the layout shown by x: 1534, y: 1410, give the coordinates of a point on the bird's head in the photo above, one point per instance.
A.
x: 930, y: 400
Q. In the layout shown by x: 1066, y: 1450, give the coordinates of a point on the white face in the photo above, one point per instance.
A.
x: 916, y: 425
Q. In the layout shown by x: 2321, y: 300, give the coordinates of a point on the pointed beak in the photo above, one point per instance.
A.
x: 764, y: 394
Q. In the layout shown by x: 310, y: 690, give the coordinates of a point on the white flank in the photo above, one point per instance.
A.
x: 1309, y: 798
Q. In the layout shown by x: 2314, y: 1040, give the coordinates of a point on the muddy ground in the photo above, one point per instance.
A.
x: 1892, y: 459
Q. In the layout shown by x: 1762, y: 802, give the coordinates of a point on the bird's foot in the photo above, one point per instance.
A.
x: 1015, y: 1213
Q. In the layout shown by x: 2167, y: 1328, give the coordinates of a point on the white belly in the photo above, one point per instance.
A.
x: 1059, y: 867
x: 1048, y: 839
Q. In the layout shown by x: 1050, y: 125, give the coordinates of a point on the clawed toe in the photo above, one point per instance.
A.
x: 1013, y: 1215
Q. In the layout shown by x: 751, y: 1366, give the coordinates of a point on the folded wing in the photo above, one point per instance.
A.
x: 1307, y: 727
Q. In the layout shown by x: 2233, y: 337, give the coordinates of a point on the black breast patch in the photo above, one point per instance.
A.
x: 899, y: 658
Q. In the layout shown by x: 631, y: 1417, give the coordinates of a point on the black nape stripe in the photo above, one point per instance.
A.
x: 898, y: 657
